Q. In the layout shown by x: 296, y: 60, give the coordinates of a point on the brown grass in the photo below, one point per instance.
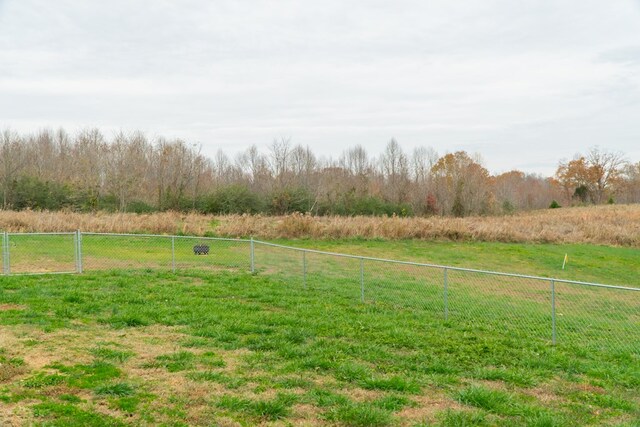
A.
x: 608, y: 225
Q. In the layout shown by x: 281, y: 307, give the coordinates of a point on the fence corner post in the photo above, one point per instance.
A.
x: 253, y: 257
x: 446, y: 294
x: 553, y: 312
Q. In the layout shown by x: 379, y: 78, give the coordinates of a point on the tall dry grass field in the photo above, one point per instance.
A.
x: 607, y: 225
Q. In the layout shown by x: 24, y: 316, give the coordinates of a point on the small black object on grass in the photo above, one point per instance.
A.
x: 201, y: 250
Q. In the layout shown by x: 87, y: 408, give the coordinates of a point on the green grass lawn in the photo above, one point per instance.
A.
x: 214, y: 345
x: 118, y: 348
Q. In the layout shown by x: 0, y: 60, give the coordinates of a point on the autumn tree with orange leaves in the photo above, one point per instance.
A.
x: 592, y: 178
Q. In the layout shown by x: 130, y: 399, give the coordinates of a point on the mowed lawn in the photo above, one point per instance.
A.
x: 215, y: 345
x: 230, y: 348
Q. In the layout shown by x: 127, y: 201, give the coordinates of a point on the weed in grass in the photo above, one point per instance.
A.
x: 519, y: 377
x: 70, y: 398
x: 602, y: 400
x: 454, y: 418
x: 127, y: 404
x: 288, y: 382
x: 211, y: 360
x: 74, y: 298
x: 57, y: 414
x: 10, y: 367
x: 325, y: 398
x: 546, y: 420
x: 394, y: 383
x: 392, y: 402
x: 125, y: 321
x: 177, y: 408
x: 359, y: 415
x: 42, y: 379
x: 233, y: 403
x: 271, y: 410
x: 485, y: 398
x: 501, y: 403
x: 195, y: 343
x: 352, y: 372
x: 180, y: 361
x: 117, y: 389
x: 104, y: 353
x: 88, y: 376
x: 7, y: 396
x: 230, y: 382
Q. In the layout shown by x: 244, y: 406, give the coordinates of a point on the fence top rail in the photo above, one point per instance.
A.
x: 468, y: 270
x: 50, y: 233
x: 166, y: 236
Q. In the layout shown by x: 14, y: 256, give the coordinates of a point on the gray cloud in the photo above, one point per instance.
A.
x: 523, y: 83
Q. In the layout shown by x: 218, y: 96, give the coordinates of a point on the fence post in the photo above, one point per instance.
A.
x: 79, y: 245
x: 173, y: 254
x: 304, y: 269
x: 75, y: 249
x: 553, y: 312
x: 5, y: 254
x: 446, y: 294
x: 253, y: 257
x: 362, y: 279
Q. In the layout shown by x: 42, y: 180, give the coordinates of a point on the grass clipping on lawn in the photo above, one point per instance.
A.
x: 607, y: 225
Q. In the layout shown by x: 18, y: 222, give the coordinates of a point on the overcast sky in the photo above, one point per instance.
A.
x: 523, y: 83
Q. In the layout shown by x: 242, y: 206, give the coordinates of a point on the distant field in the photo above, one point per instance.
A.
x: 591, y: 263
x: 617, y: 225
x: 195, y: 348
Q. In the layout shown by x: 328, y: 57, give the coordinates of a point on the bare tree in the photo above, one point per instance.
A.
x: 394, y: 166
x: 13, y: 158
x: 279, y: 159
x: 127, y: 162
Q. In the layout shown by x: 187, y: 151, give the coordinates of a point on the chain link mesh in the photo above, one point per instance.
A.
x: 585, y: 317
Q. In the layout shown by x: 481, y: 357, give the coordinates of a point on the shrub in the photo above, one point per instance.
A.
x: 138, y: 206
x: 234, y: 199
x: 290, y: 200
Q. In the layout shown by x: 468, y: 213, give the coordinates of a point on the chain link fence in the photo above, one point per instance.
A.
x: 586, y: 316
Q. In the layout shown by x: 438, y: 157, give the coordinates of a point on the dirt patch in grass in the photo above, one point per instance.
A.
x: 543, y: 395
x: 8, y: 337
x: 63, y: 346
x: 426, y: 407
x: 306, y: 415
x: 8, y: 372
x: 7, y: 307
x: 363, y: 395
x: 589, y: 388
x: 14, y: 414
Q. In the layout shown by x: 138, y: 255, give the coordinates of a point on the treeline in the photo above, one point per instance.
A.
x: 54, y: 170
